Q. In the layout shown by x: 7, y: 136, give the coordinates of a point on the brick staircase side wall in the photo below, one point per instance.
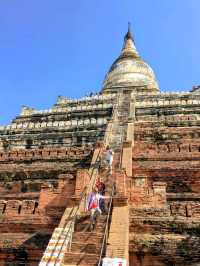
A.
x: 118, y: 238
x: 127, y: 157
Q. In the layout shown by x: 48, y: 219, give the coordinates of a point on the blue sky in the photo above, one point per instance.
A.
x: 50, y: 48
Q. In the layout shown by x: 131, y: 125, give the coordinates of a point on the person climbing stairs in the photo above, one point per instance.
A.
x: 85, y: 247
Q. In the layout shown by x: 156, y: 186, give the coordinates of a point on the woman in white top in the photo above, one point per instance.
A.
x: 109, y: 158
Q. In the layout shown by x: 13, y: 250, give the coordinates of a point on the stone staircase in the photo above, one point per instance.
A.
x: 61, y: 239
x: 72, y: 243
x: 120, y: 132
x: 119, y: 121
x: 85, y: 247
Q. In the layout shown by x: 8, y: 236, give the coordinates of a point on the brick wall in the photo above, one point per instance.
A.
x: 21, y: 155
x: 60, y: 196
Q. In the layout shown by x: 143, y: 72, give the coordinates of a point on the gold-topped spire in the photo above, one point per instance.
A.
x: 129, y: 48
x: 129, y: 70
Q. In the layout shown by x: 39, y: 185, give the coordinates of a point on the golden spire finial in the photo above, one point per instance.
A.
x: 129, y: 45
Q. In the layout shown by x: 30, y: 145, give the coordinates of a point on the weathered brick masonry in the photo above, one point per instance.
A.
x: 48, y: 158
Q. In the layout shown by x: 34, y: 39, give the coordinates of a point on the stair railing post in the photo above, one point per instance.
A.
x: 105, y: 237
x: 71, y: 234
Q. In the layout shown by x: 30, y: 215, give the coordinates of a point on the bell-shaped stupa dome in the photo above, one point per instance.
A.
x: 130, y: 71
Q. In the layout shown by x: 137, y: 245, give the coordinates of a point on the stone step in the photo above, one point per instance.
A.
x: 86, y: 247
x: 99, y: 228
x: 87, y: 237
x: 81, y: 259
x: 99, y: 222
x: 84, y: 217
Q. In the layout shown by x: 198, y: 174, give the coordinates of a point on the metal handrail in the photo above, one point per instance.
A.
x: 104, y: 242
x: 114, y: 109
x: 71, y: 223
x: 83, y: 194
x: 106, y: 227
x: 93, y: 181
x: 70, y: 226
x: 93, y: 166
